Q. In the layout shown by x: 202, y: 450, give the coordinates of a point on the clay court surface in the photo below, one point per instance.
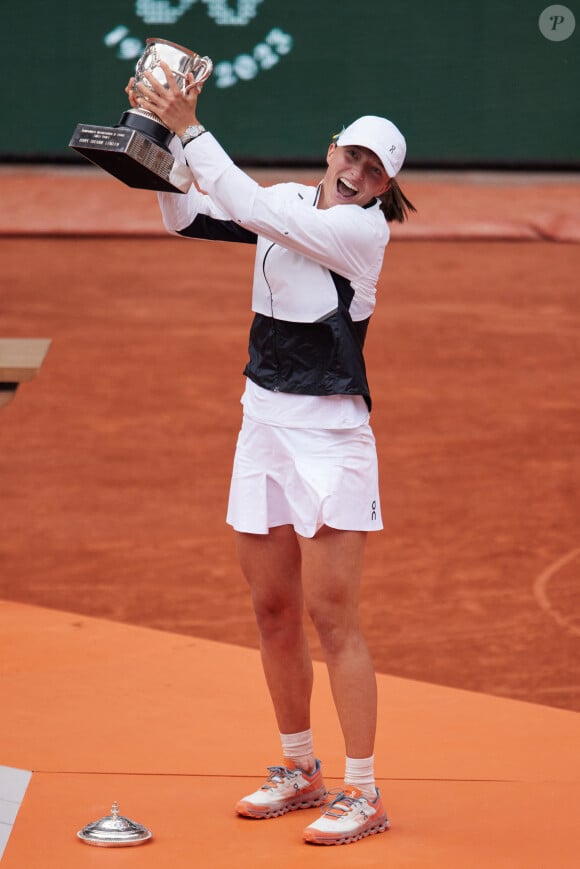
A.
x: 115, y: 459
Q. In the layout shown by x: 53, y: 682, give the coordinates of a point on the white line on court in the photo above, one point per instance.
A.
x: 541, y: 592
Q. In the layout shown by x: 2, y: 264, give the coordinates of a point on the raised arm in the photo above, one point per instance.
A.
x: 342, y: 239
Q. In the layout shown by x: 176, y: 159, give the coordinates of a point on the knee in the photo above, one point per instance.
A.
x: 276, y: 618
x: 335, y: 627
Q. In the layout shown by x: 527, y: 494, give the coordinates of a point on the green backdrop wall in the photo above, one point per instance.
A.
x: 468, y: 82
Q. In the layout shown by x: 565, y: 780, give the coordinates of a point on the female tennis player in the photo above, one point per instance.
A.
x: 304, y: 490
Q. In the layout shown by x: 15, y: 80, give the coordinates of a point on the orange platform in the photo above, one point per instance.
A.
x: 176, y: 729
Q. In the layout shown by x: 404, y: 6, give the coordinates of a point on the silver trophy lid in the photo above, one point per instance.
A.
x: 114, y: 831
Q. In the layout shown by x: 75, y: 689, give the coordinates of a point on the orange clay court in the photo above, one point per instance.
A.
x: 128, y: 652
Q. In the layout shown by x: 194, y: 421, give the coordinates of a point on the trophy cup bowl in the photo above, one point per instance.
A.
x: 136, y: 150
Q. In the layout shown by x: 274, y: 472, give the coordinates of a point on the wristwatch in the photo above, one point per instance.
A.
x: 192, y: 133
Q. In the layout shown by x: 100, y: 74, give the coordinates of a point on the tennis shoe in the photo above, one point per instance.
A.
x: 286, y: 789
x: 349, y: 817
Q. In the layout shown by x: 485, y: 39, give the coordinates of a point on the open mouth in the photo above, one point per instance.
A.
x: 345, y: 188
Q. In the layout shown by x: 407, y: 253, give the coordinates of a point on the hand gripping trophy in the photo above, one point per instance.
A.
x: 136, y: 149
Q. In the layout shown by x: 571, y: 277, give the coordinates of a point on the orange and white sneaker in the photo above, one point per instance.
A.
x: 286, y: 789
x: 348, y: 818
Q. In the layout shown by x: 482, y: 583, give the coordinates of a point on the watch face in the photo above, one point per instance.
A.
x: 192, y: 133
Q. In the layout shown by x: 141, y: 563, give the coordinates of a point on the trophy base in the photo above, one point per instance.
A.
x: 135, y: 151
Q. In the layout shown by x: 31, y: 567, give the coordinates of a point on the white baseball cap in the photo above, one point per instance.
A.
x: 381, y: 137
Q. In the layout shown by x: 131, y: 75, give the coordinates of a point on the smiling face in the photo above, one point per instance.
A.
x: 355, y: 176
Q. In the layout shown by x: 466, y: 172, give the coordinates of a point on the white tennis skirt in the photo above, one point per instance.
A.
x: 306, y: 478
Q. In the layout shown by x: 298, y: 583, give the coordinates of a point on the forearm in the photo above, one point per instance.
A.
x: 179, y: 210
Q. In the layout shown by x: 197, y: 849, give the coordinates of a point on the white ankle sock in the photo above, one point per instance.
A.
x: 299, y: 748
x: 360, y: 772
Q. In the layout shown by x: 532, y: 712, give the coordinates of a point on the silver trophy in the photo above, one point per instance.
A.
x: 136, y: 150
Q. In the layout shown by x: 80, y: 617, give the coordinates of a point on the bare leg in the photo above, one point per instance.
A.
x: 331, y: 573
x: 271, y: 564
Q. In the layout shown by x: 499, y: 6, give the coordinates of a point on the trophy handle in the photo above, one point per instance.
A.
x: 202, y: 70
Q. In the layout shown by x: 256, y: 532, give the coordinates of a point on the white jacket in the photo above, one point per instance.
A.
x: 295, y: 283
x: 313, y: 266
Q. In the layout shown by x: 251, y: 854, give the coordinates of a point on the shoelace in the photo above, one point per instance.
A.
x: 340, y: 810
x: 277, y: 775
